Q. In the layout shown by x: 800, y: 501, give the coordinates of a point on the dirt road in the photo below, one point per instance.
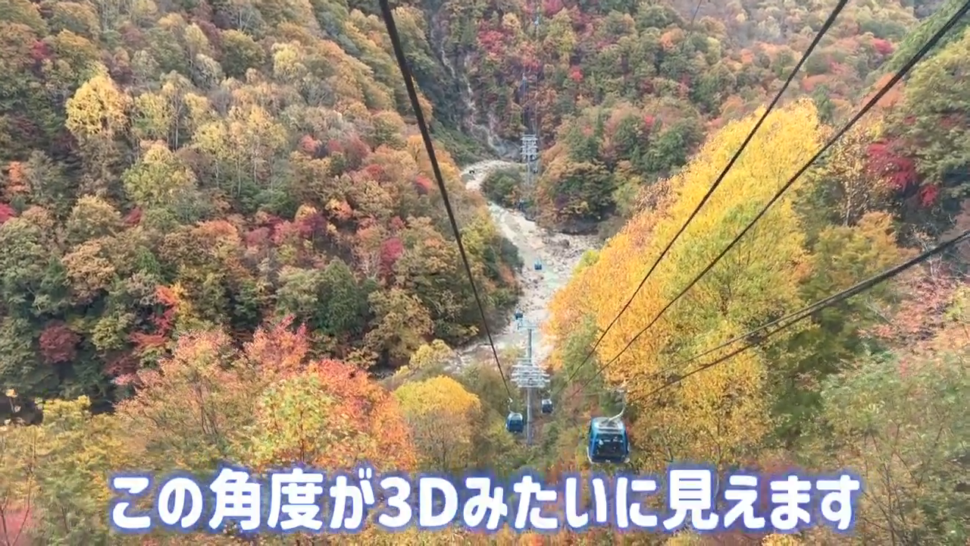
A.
x: 558, y: 253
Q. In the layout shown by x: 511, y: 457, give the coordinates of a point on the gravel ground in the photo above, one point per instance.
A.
x: 559, y: 254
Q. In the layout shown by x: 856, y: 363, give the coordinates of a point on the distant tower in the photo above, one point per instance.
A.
x: 530, y: 156
x: 530, y: 139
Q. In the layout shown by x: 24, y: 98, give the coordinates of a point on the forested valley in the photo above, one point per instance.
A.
x: 222, y: 240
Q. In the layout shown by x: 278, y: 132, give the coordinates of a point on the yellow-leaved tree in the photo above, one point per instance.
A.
x: 718, y: 415
x: 98, y: 109
x: 442, y: 416
x: 54, y: 476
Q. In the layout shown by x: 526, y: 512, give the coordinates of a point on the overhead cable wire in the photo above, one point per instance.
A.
x: 540, y: 67
x: 802, y: 314
x: 402, y: 63
x: 693, y: 16
x: 758, y: 337
x: 535, y: 91
x: 865, y: 109
x: 818, y: 37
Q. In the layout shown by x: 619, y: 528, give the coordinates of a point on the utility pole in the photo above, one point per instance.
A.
x: 526, y: 375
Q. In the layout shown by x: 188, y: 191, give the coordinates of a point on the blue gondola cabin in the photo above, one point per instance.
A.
x: 537, y: 265
x: 515, y: 423
x: 518, y: 314
x: 608, y: 441
x: 547, y: 406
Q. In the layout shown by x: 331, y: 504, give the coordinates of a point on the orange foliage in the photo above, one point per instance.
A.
x: 170, y: 300
x: 146, y: 342
x: 344, y: 417
x: 809, y: 83
x: 670, y: 38
x: 191, y: 351
x: 506, y: 274
x: 340, y: 210
x: 890, y: 99
x: 332, y: 417
x: 364, y: 402
x: 733, y: 107
x: 839, y: 69
x: 166, y: 296
x: 16, y: 180
x: 270, y: 401
x: 278, y: 350
x: 928, y: 292
x: 217, y: 231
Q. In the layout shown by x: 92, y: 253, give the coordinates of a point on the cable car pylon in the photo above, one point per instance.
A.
x: 530, y: 115
x: 526, y: 375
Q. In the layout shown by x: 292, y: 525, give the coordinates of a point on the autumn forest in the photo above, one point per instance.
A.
x: 222, y: 241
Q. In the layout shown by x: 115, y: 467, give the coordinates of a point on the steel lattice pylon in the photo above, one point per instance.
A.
x: 526, y: 375
x: 530, y: 148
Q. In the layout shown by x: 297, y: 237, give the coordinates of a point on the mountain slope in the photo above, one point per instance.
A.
x: 169, y: 167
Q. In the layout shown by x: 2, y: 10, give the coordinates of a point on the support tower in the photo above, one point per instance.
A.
x: 526, y: 375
